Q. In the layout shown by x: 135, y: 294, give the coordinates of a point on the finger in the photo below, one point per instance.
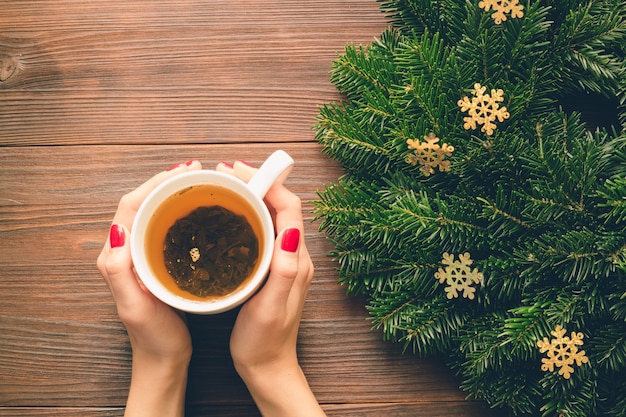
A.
x: 116, y: 266
x: 284, y: 268
x: 285, y: 204
x: 287, y: 207
x: 243, y: 170
x: 225, y: 167
x: 143, y: 190
x: 129, y: 204
x: 305, y: 268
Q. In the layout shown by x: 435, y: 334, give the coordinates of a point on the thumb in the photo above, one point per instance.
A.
x: 119, y: 267
x: 284, y: 267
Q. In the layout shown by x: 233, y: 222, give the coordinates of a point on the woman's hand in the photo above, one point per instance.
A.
x: 160, y: 340
x: 263, y: 341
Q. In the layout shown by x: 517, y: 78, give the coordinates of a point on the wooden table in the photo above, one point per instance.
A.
x: 96, y: 97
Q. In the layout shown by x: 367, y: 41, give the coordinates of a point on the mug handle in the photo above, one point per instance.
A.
x: 276, y: 168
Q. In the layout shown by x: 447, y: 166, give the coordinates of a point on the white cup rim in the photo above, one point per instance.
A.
x: 161, y: 193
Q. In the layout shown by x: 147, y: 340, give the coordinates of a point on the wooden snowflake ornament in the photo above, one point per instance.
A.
x: 483, y: 109
x: 562, y: 352
x: 501, y: 8
x: 458, y: 276
x: 429, y: 154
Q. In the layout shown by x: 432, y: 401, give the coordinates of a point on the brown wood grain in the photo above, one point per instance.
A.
x: 172, y: 71
x: 96, y: 97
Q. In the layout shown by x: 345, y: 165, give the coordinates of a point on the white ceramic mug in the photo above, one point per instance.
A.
x: 249, y: 198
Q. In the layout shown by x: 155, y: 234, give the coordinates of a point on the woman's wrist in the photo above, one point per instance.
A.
x: 281, y: 390
x: 157, y: 386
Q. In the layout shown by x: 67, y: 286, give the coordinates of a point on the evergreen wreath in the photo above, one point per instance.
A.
x: 481, y: 217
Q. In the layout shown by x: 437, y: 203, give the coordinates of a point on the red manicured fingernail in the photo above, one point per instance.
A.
x: 246, y: 163
x: 188, y: 163
x: 291, y: 240
x: 116, y: 236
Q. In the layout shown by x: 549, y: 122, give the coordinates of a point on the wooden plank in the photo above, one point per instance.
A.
x: 412, y: 409
x: 60, y: 412
x: 62, y: 344
x: 172, y: 71
x: 333, y: 410
x: 409, y: 409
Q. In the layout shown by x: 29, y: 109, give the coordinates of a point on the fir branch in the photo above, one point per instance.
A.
x: 355, y: 71
x: 567, y: 160
x: 609, y: 348
x: 419, y: 325
x: 346, y: 139
x: 614, y: 194
x: 614, y: 388
x: 585, y: 42
x: 574, y: 397
x: 511, y: 387
x: 526, y: 325
x: 414, y: 15
x: 484, y: 349
x: 492, y: 210
x: 503, y: 284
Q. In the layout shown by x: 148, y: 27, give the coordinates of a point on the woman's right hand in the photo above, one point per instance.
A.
x: 263, y: 341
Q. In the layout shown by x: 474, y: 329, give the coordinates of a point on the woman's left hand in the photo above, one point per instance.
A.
x: 160, y: 340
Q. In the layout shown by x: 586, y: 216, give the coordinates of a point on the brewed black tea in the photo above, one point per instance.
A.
x: 211, y: 251
x: 204, y: 242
